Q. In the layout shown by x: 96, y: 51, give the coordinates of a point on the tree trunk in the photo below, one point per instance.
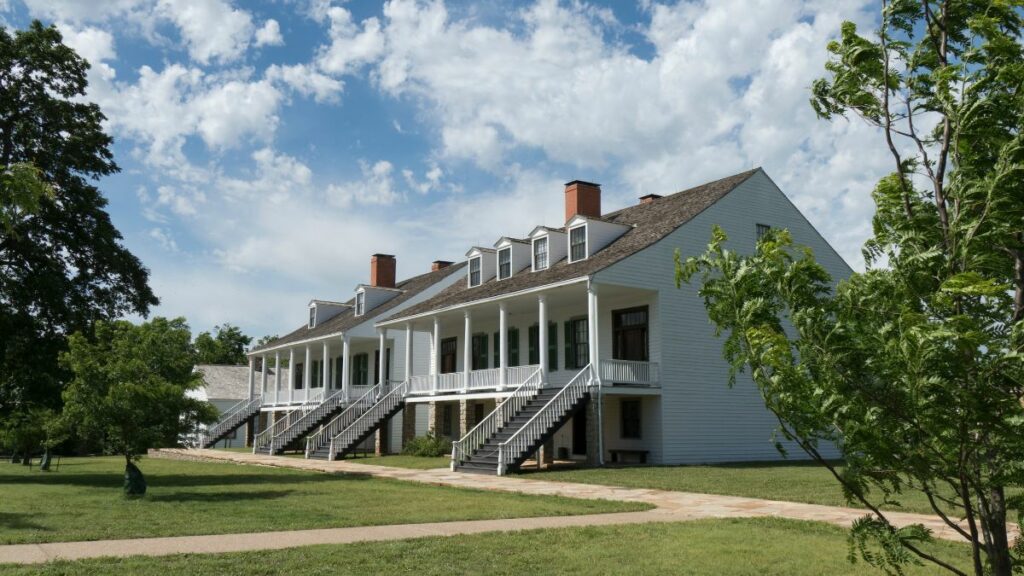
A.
x: 999, y: 559
x: 134, y: 481
x: 44, y: 463
x: 14, y: 458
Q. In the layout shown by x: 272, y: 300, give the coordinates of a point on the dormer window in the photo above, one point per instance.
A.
x: 540, y: 253
x: 312, y: 316
x: 504, y: 263
x: 360, y: 303
x: 578, y: 243
x: 474, y: 271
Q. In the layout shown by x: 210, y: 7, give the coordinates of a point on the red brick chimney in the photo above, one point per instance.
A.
x: 583, y: 198
x: 439, y: 265
x: 382, y: 270
x: 649, y: 198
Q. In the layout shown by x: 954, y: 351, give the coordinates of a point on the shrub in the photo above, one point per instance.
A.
x: 428, y: 445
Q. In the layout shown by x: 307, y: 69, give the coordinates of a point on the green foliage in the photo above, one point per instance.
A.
x: 915, y: 368
x: 129, y: 386
x: 428, y: 446
x: 62, y: 265
x: 226, y: 346
x: 22, y: 192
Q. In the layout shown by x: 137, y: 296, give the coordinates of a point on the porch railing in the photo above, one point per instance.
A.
x: 230, y: 418
x: 380, y: 407
x: 630, y: 372
x: 450, y: 382
x: 520, y: 374
x: 349, y: 415
x: 502, y: 413
x: 317, y: 412
x: 264, y: 438
x: 488, y: 378
x: 556, y: 408
x: 422, y: 384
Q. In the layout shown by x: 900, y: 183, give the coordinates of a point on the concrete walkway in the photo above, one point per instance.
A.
x: 669, y: 507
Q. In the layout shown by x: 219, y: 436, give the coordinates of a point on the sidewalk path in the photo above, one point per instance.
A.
x: 669, y: 507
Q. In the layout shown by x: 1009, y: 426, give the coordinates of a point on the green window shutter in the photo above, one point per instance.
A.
x: 478, y: 352
x: 513, y: 346
x: 533, y: 345
x: 570, y: 355
x: 496, y: 357
x: 552, y: 347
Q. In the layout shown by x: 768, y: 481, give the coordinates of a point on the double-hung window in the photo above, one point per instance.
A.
x: 312, y: 316
x: 360, y: 303
x: 577, y: 344
x: 763, y: 229
x: 540, y: 253
x: 504, y: 263
x: 474, y: 272
x: 577, y: 243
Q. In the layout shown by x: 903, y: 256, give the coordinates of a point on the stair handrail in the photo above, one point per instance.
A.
x: 464, y: 447
x: 229, y: 417
x: 382, y: 406
x: 564, y: 399
x: 325, y: 407
x: 266, y: 437
x: 341, y: 421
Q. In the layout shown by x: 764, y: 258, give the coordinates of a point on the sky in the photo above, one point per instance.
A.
x: 269, y: 148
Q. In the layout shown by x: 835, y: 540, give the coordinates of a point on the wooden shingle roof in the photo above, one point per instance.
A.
x: 347, y: 319
x: 649, y: 222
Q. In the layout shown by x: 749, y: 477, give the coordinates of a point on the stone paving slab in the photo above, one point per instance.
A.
x: 694, y: 505
x: 669, y: 507
x: 219, y: 543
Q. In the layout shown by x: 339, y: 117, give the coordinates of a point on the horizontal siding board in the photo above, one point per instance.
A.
x: 704, y: 420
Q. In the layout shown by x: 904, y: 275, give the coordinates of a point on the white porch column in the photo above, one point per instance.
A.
x: 346, y: 366
x: 502, y: 345
x: 264, y: 370
x: 325, y: 367
x: 592, y: 330
x: 291, y: 375
x: 383, y: 362
x: 307, y: 375
x: 277, y: 376
x: 435, y: 366
x: 467, y: 349
x: 542, y: 336
x: 252, y: 377
x: 408, y: 350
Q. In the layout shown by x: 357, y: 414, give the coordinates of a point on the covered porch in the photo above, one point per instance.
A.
x: 495, y: 346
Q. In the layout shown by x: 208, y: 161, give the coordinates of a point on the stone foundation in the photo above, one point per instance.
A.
x: 408, y: 423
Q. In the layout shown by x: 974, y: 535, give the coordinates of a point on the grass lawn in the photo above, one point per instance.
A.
x: 756, y: 547
x: 403, y: 461
x: 83, y: 501
x: 791, y: 481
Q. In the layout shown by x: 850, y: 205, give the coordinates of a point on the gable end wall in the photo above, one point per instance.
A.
x: 704, y: 420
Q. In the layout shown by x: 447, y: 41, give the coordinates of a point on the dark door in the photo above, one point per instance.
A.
x: 579, y: 432
x: 629, y: 334
x: 449, y: 347
x: 387, y: 364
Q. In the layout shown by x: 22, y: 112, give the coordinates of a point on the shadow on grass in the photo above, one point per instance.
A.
x: 723, y: 465
x: 114, y: 480
x: 16, y: 521
x: 210, y: 497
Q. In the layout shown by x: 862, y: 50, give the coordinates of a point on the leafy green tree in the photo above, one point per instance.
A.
x: 129, y: 389
x: 263, y: 341
x: 914, y: 368
x: 62, y: 264
x: 226, y: 346
x: 22, y: 191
